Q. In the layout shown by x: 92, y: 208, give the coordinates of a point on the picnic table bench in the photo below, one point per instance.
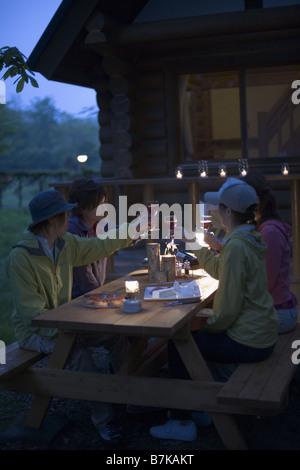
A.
x: 253, y: 389
x: 17, y: 359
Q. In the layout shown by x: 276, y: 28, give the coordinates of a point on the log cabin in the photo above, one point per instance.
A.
x: 185, y: 83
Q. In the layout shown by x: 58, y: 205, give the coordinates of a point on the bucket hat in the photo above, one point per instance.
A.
x: 235, y: 194
x: 46, y: 204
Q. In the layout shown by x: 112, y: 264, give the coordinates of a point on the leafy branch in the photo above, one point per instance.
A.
x: 15, y: 63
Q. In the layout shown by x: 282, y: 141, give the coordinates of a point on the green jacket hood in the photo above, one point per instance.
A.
x: 248, y: 235
x: 31, y: 243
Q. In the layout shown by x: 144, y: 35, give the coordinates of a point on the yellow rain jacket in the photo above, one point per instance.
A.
x: 38, y: 284
x: 242, y: 304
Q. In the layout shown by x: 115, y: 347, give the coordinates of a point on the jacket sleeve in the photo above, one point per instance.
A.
x: 229, y: 296
x: 208, y: 261
x: 88, y: 250
x: 28, y: 301
x: 87, y: 279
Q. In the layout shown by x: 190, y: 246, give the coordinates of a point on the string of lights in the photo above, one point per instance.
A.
x: 203, y: 168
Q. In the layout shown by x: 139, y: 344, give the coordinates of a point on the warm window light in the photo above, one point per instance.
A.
x: 203, y: 169
x: 178, y: 172
x: 222, y: 171
x: 2, y: 92
x: 243, y: 166
x: 285, y: 169
x: 82, y: 158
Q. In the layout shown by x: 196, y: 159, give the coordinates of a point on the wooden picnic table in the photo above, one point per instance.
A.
x: 130, y: 385
x: 257, y: 388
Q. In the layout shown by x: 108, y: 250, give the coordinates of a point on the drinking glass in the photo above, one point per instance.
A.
x: 171, y: 221
x: 152, y: 207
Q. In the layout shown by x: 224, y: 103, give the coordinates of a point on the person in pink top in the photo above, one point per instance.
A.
x: 276, y: 235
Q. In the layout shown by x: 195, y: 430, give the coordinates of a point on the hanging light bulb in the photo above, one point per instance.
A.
x: 285, y: 169
x: 203, y: 169
x: 178, y: 172
x: 243, y: 166
x: 222, y: 171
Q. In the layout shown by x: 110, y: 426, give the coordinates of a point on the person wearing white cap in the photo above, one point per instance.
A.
x: 244, y: 326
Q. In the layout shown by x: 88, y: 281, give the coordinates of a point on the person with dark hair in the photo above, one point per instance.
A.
x: 40, y: 271
x: 88, y: 195
x: 276, y: 235
x: 244, y: 326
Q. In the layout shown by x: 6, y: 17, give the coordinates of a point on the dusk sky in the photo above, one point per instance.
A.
x: 22, y: 23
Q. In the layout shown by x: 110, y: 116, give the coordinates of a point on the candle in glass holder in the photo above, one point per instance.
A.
x: 132, y: 288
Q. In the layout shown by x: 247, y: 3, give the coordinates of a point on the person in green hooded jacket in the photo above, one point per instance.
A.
x: 244, y: 325
x: 40, y: 271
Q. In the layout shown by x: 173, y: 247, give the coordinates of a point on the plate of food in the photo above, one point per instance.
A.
x: 104, y: 300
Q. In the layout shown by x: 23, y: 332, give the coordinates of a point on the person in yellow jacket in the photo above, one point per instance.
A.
x: 244, y: 327
x: 40, y: 268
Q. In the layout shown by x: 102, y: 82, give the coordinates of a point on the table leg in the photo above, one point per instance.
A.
x: 198, y: 370
x: 57, y: 360
x: 131, y: 359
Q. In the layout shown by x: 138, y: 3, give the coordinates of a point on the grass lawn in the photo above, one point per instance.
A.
x: 12, y: 222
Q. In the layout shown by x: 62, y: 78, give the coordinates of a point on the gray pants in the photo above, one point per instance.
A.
x: 81, y: 360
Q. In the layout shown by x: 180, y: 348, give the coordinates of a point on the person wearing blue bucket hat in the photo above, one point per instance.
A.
x: 47, y: 204
x: 40, y: 269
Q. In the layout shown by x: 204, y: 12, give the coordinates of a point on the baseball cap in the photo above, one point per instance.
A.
x: 235, y: 194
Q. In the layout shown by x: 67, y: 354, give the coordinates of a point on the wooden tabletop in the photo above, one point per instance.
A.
x: 155, y: 319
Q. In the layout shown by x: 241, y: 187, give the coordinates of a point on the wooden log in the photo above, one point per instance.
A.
x: 97, y: 69
x: 153, y: 130
x: 121, y: 85
x: 122, y: 122
x: 152, y: 96
x: 228, y: 23
x: 153, y: 167
x: 95, y: 37
x: 114, y: 67
x: 151, y: 80
x: 107, y: 168
x: 104, y: 100
x: 99, y: 20
x: 168, y: 263
x: 104, y: 117
x: 160, y: 276
x: 152, y: 113
x: 106, y: 151
x: 123, y: 172
x: 122, y: 140
x: 120, y: 103
x: 155, y: 148
x: 105, y: 134
x: 153, y: 255
x: 122, y: 158
x: 100, y: 84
